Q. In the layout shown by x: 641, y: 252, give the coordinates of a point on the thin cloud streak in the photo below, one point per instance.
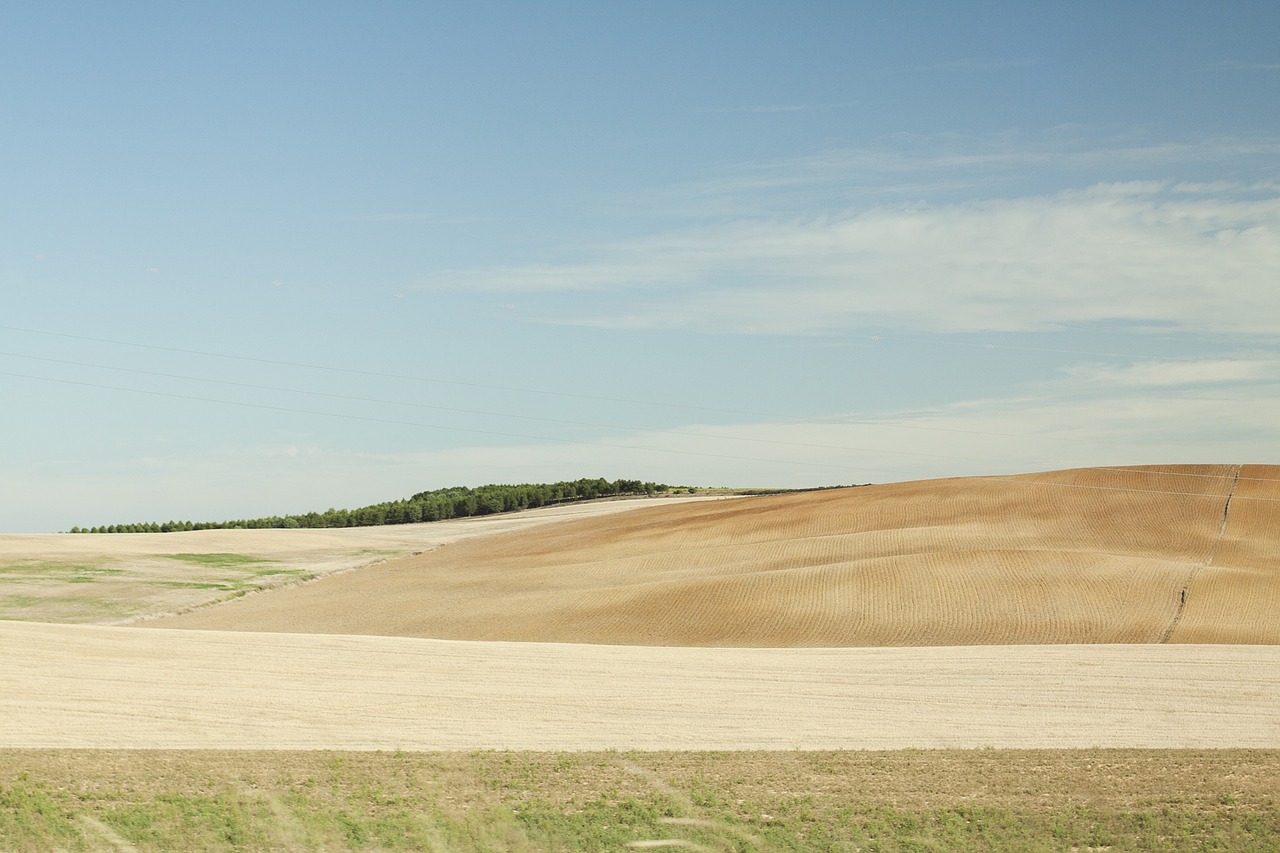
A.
x: 1215, y: 372
x: 1239, y: 65
x: 912, y: 166
x: 981, y: 65
x: 781, y: 108
x: 1133, y: 253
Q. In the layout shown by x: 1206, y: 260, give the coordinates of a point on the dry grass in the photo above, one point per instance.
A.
x: 1081, y: 556
x: 905, y: 800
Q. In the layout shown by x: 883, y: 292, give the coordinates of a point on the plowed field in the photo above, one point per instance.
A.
x: 1184, y: 554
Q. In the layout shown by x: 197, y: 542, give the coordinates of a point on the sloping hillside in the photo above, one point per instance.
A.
x: 1186, y: 553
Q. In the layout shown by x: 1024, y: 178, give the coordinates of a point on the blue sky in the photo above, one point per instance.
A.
x: 264, y: 258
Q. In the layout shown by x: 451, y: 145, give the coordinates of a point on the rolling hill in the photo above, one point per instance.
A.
x: 1178, y: 553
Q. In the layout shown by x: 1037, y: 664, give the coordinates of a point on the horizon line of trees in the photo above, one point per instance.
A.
x: 435, y: 505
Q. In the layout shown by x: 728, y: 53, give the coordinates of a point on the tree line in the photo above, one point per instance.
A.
x: 436, y: 505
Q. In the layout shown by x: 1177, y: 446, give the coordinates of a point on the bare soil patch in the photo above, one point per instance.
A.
x: 1185, y: 553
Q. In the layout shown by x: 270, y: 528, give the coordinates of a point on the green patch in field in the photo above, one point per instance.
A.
x: 227, y: 587
x: 54, y: 570
x: 32, y: 818
x: 221, y: 820
x: 61, y: 608
x: 250, y: 579
x: 220, y: 561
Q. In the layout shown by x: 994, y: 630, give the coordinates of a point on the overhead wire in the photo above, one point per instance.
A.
x: 391, y: 421
x: 1026, y: 481
x: 986, y: 345
x: 535, y: 391
x: 601, y: 398
x: 351, y: 398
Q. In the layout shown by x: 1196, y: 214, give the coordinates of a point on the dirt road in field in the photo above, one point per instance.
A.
x: 115, y: 687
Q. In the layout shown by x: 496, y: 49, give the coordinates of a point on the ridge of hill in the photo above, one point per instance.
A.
x: 1151, y: 554
x: 433, y: 505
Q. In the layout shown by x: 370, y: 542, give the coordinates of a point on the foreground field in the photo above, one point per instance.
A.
x: 888, y: 801
x: 1182, y: 554
x: 87, y: 686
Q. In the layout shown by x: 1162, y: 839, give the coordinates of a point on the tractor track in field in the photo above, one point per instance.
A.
x: 1204, y: 564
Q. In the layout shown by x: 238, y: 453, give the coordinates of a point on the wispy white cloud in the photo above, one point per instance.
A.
x: 911, y: 166
x: 979, y: 65
x: 422, y: 218
x: 1240, y: 65
x: 1130, y: 252
x: 1061, y: 147
x: 781, y: 108
x: 1216, y: 372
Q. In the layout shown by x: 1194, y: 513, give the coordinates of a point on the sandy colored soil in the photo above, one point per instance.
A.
x: 1147, y: 555
x: 1090, y: 608
x: 121, y: 577
x: 71, y: 686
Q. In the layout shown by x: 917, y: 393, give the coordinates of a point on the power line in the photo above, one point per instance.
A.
x: 1030, y: 482
x: 1012, y: 478
x: 569, y: 395
x: 376, y: 373
x: 390, y: 421
x: 1179, y: 474
x: 352, y: 371
x: 350, y: 398
x: 1013, y: 348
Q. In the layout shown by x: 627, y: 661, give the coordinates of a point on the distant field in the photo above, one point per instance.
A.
x: 1183, y: 554
x: 107, y: 579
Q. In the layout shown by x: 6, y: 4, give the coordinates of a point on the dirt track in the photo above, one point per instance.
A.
x: 1083, y: 556
x: 90, y: 686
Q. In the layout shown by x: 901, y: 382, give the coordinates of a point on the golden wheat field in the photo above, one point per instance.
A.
x: 1142, y: 555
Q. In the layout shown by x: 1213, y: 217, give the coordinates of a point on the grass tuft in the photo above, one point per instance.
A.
x: 221, y: 561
